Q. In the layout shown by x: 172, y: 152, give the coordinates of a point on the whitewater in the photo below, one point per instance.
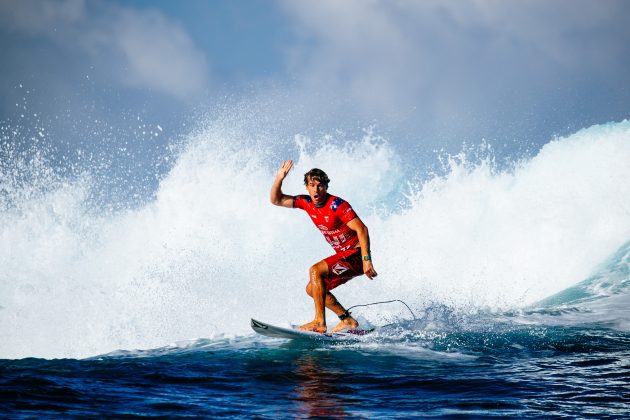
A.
x: 208, y: 251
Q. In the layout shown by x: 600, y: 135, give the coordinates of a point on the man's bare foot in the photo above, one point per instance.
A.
x: 347, y: 324
x: 315, y: 326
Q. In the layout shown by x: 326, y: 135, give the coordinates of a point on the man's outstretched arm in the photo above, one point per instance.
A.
x: 276, y: 195
x: 364, y: 242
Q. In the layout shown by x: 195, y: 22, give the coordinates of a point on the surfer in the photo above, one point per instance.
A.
x: 343, y: 230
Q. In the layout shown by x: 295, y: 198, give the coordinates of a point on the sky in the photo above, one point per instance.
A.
x: 427, y: 75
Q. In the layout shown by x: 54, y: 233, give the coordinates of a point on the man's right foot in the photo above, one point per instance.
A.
x: 315, y: 326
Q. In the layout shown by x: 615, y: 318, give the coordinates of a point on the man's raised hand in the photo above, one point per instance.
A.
x: 284, y: 169
x: 276, y: 195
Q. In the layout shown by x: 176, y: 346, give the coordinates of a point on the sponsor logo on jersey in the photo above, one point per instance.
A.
x: 339, y: 268
x: 322, y: 227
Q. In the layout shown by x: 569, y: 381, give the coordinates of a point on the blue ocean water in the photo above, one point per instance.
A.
x: 526, y: 371
x: 518, y: 277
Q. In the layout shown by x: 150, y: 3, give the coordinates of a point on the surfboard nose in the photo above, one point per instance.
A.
x: 257, y: 325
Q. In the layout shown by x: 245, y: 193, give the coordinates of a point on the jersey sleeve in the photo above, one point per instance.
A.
x: 345, y: 212
x: 299, y: 201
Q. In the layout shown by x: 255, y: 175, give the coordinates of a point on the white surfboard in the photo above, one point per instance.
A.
x: 291, y: 334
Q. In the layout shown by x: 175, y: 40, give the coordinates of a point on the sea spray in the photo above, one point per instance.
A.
x: 209, y: 251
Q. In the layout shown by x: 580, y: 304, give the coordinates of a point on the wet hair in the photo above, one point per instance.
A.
x: 316, y: 175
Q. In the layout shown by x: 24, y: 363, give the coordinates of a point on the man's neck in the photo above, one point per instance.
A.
x: 323, y: 202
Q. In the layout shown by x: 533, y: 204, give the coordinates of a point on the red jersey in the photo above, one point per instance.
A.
x: 331, y: 220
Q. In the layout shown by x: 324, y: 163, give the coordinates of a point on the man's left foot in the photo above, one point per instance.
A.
x: 347, y: 324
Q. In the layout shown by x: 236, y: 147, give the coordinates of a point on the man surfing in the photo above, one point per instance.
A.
x: 343, y: 230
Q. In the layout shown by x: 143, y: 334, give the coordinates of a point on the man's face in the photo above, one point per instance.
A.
x: 317, y: 191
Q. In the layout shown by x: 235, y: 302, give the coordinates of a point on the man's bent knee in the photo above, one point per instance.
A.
x: 318, y: 270
x: 317, y: 276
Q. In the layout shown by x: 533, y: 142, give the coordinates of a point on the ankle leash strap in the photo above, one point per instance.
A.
x: 344, y: 315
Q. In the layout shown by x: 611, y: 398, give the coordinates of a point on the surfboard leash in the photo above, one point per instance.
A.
x: 379, y: 303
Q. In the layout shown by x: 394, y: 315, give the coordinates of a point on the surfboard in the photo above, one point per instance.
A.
x: 269, y: 330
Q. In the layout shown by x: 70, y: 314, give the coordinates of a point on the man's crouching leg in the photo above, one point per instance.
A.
x: 331, y: 302
x: 316, y: 288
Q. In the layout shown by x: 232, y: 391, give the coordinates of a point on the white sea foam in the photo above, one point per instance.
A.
x: 209, y: 251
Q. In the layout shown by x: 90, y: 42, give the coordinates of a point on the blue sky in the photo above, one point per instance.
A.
x: 428, y: 74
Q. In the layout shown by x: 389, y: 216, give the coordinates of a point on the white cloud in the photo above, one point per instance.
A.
x: 35, y: 17
x: 139, y: 48
x: 159, y: 54
x: 360, y: 48
x: 456, y: 59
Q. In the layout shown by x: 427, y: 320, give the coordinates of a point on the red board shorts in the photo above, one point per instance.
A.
x: 343, y: 266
